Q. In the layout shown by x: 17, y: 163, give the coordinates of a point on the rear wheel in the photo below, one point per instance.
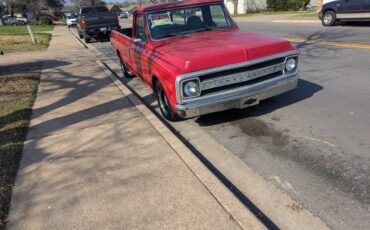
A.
x: 87, y: 39
x: 164, y: 103
x: 125, y: 71
x: 329, y: 18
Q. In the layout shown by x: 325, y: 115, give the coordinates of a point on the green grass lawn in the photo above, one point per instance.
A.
x: 18, y: 87
x: 17, y: 39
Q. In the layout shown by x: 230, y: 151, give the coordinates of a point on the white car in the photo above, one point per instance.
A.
x: 12, y: 21
x: 71, y: 20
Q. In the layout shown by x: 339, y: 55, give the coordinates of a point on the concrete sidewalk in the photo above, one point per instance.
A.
x: 93, y: 161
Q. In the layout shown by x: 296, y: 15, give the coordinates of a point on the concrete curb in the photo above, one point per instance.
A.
x: 278, y: 206
x: 271, y: 200
x: 224, y: 197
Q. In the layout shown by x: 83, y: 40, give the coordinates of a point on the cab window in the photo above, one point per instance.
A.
x: 140, y: 28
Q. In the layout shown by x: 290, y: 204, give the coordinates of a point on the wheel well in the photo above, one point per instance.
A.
x: 154, y: 81
x: 329, y: 9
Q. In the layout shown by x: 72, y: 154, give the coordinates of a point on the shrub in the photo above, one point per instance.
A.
x: 44, y: 20
x: 284, y: 5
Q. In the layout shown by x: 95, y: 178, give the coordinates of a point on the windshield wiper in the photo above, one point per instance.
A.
x: 210, y: 28
x: 173, y: 35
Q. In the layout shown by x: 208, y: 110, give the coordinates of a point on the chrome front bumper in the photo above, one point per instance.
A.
x: 238, y: 98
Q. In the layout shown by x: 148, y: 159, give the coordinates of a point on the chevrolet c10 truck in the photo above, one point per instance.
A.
x: 197, y: 61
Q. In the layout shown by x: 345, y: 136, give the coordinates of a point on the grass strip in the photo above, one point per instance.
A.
x: 18, y: 87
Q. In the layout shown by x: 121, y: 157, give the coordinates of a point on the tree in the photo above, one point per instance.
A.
x: 235, y: 4
x: 10, y: 6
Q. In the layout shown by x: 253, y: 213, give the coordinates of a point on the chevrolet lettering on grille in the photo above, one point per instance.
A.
x: 241, y: 77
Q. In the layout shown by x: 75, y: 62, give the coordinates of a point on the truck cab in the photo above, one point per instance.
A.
x: 344, y: 10
x: 197, y: 61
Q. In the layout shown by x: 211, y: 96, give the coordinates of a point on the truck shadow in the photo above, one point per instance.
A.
x: 304, y: 90
x: 354, y: 24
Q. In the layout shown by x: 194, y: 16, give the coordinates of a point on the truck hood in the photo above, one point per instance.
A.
x: 218, y: 48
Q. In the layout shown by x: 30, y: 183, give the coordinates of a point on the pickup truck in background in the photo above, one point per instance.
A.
x: 197, y: 61
x: 95, y: 21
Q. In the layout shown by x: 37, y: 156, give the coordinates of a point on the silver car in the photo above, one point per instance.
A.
x: 12, y: 21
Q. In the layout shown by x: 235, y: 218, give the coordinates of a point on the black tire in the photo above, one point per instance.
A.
x: 86, y: 38
x: 14, y: 24
x: 164, y: 104
x: 126, y: 73
x: 329, y: 18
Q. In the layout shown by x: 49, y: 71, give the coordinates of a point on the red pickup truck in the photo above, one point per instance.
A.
x: 197, y: 61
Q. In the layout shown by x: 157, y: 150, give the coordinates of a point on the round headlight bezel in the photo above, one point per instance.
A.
x: 288, y: 62
x: 196, y: 86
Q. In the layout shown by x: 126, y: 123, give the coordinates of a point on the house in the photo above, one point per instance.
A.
x: 245, y: 6
x: 113, y: 8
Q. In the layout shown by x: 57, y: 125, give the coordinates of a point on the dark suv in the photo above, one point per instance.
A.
x: 94, y: 21
x: 344, y: 10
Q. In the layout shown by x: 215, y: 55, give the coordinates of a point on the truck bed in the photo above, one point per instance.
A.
x: 96, y: 20
x: 120, y: 40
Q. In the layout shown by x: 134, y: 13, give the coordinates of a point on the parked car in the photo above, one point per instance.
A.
x: 71, y: 20
x: 94, y: 21
x: 197, y: 61
x: 25, y: 20
x: 12, y: 21
x: 344, y: 10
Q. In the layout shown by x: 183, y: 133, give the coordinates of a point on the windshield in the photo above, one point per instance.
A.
x: 184, y: 21
x: 72, y: 16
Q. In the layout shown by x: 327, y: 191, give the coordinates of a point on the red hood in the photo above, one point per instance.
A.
x: 212, y: 49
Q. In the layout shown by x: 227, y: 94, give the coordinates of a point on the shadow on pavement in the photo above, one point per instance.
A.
x: 18, y: 68
x: 304, y: 90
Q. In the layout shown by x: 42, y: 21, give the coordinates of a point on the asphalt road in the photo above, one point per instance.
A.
x: 313, y: 142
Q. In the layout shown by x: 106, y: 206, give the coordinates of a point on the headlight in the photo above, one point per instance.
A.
x: 191, y: 88
x: 291, y: 64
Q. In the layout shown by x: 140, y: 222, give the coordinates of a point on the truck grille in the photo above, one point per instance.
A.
x: 248, y: 75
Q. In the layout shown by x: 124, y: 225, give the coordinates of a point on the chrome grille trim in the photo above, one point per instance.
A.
x: 181, y: 78
x: 241, y: 77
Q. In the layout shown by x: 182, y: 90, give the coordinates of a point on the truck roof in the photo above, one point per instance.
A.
x: 163, y: 6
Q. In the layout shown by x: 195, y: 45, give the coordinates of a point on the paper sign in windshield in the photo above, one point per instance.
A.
x: 160, y: 20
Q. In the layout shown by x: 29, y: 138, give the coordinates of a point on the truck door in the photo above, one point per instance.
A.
x: 351, y: 6
x: 139, y: 46
x: 367, y: 6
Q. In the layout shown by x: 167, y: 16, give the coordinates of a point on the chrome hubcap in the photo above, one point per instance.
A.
x: 328, y: 18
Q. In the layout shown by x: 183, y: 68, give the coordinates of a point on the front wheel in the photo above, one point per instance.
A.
x: 164, y: 103
x: 329, y: 18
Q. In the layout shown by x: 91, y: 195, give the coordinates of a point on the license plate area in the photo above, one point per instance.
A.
x: 103, y: 29
x: 248, y: 101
